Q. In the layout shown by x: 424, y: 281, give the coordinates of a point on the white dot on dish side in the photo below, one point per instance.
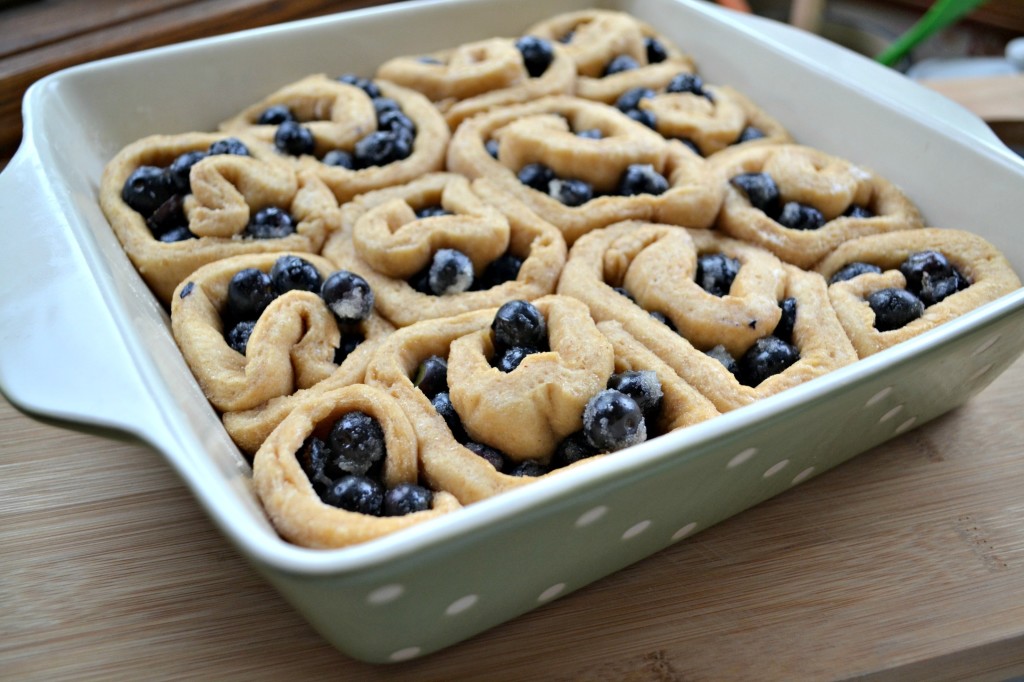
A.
x: 636, y: 529
x: 980, y: 372
x: 385, y: 595
x: 776, y: 468
x: 462, y: 604
x: 590, y: 516
x: 684, y: 531
x: 405, y: 654
x: 878, y: 397
x: 890, y: 414
x: 985, y: 346
x: 741, y: 458
x: 803, y: 475
x: 906, y: 426
x: 551, y: 592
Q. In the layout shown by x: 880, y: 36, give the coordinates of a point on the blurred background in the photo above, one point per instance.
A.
x: 975, y: 59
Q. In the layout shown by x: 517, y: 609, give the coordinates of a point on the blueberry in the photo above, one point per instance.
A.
x: 250, y: 291
x: 294, y: 273
x: 643, y: 116
x: 797, y: 216
x: 931, y: 276
x: 177, y: 234
x: 567, y: 38
x: 851, y: 270
x: 620, y: 64
x: 750, y: 133
x: 229, y: 145
x: 170, y: 216
x: 768, y: 356
x: 238, y: 336
x: 630, y: 99
x: 858, y: 211
x: 356, y: 494
x: 691, y: 145
x: 339, y: 158
x: 294, y: 139
x: 431, y: 211
x: 641, y: 178
x: 349, y: 342
x: 356, y: 441
x: 656, y: 52
x: 451, y: 272
x: 571, y: 192
x: 275, y: 115
x: 612, y: 421
x: 537, y: 176
x: 442, y: 403
x: 537, y: 54
x: 432, y: 376
x: 937, y: 289
x: 723, y: 356
x: 688, y: 82
x: 407, y: 498
x: 181, y: 168
x: 571, y: 450
x: 660, y: 317
x: 761, y: 191
x: 395, y: 120
x: 270, y: 223
x: 364, y: 84
x: 529, y: 468
x: 492, y: 147
x: 146, y: 189
x: 716, y: 272
x: 784, y: 328
x: 590, y: 134
x: 492, y: 455
x: 504, y: 268
x: 643, y: 386
x: 894, y: 308
x: 509, y: 358
x: 622, y: 291
x: 382, y: 147
x: 312, y: 458
x: 382, y: 104
x: 348, y: 295
x: 519, y: 323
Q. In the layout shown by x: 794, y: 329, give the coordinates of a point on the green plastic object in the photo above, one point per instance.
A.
x: 940, y: 15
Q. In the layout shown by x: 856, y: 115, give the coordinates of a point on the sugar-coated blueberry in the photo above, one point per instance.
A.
x: 894, y: 308
x: 275, y: 115
x: 229, y: 145
x: 442, y: 403
x: 519, y: 323
x: 641, y: 385
x: 716, y: 272
x: 571, y: 192
x: 858, y: 211
x: 504, y: 268
x: 761, y: 191
x: 394, y: 120
x: 432, y: 376
x: 934, y: 290
x: 293, y: 273
x: 431, y: 211
x: 572, y: 449
x: 851, y: 270
x: 406, y: 498
x: 688, y: 82
x: 358, y: 494
x: 621, y: 63
x: 768, y: 356
x: 312, y: 458
x: 720, y: 353
x: 177, y: 234
x: 528, y: 467
x: 931, y: 277
x: 382, y: 147
x: 294, y: 139
x: 750, y: 133
x: 146, y: 189
x: 613, y: 421
x: 271, y: 222
x: 348, y: 295
x: 492, y: 455
x: 656, y: 52
x: 339, y: 158
x: 536, y: 176
x: 630, y: 99
x: 451, y: 272
x: 641, y: 178
x: 797, y: 216
x: 238, y: 336
x: 356, y: 441
x: 364, y: 84
x: 181, y: 168
x: 784, y: 328
x: 508, y: 359
x: 250, y: 291
x: 382, y: 104
x: 492, y: 147
x: 537, y: 54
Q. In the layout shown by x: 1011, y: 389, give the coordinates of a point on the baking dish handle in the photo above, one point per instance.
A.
x: 61, y: 353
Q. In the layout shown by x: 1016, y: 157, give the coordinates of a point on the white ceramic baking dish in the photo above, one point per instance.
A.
x: 84, y: 341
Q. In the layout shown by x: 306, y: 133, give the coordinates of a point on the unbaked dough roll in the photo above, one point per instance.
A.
x: 818, y: 201
x: 284, y: 487
x: 589, y: 165
x: 984, y: 274
x: 193, y: 207
x: 598, y: 271
x: 385, y: 240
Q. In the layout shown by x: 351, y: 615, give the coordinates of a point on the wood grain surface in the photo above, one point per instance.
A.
x: 906, y: 563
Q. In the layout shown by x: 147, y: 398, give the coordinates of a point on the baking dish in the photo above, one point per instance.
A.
x: 84, y: 341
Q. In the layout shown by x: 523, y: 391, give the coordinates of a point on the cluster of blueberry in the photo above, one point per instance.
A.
x: 614, y: 419
x: 158, y: 193
x: 764, y: 195
x: 638, y: 178
x: 251, y: 290
x: 450, y: 271
x: 655, y: 51
x: 930, y: 278
x: 345, y: 470
x: 392, y: 141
